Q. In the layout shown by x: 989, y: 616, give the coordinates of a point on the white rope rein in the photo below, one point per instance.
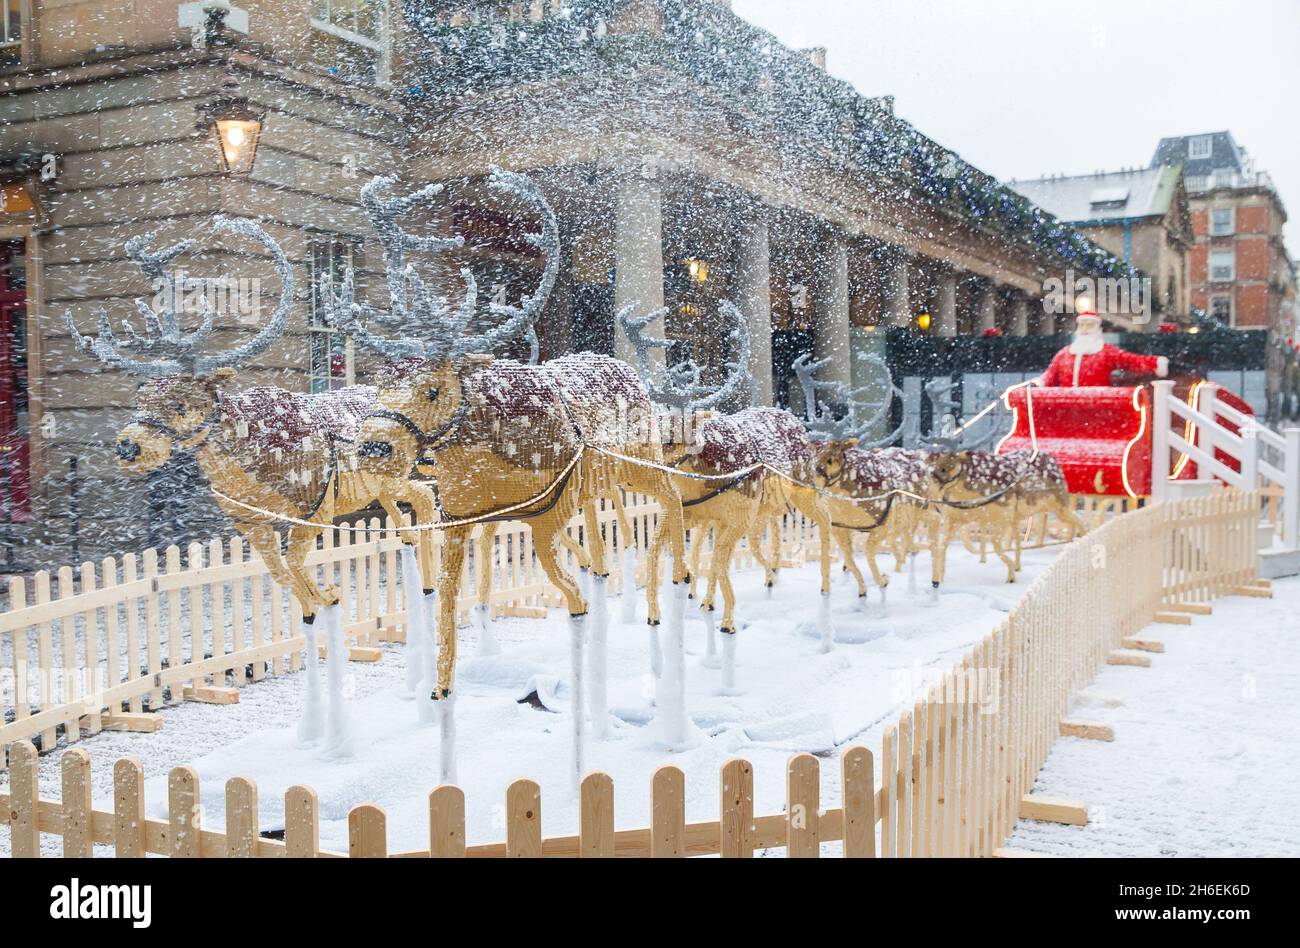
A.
x: 662, y: 468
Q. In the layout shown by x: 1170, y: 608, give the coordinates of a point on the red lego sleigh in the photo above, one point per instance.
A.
x: 1102, y: 435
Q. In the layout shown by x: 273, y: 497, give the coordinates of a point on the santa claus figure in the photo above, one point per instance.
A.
x: 1090, y: 360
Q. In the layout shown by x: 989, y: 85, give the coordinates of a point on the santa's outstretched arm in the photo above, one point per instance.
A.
x: 1134, y: 362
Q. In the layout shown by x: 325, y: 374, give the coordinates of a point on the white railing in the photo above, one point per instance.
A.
x: 1261, y: 455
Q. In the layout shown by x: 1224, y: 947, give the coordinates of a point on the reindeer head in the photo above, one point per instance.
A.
x: 421, y: 398
x: 829, y: 461
x: 177, y: 404
x: 948, y: 466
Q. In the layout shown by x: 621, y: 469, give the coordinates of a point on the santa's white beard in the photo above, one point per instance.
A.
x: 1087, y: 343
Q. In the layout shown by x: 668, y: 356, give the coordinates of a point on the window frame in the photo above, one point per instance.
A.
x: 1193, y: 141
x: 1231, y: 225
x: 317, y: 328
x: 380, y: 44
x: 1226, y: 298
x: 1209, y: 266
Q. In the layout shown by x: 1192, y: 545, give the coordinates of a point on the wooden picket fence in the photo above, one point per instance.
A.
x: 956, y: 770
x: 93, y: 647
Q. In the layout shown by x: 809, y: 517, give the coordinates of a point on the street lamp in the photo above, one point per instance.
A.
x: 234, y: 125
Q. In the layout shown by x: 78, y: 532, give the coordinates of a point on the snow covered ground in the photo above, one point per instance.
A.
x: 1204, y: 757
x: 792, y: 698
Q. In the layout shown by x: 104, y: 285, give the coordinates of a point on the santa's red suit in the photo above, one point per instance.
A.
x: 1090, y: 361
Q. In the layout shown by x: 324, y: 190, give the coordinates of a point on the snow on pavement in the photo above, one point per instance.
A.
x: 1204, y: 761
x: 791, y: 698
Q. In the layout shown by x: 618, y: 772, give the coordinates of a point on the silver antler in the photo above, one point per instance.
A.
x: 173, y: 351
x: 679, y: 385
x: 428, y: 327
x: 857, y: 415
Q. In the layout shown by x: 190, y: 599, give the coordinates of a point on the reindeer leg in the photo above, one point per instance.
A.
x: 442, y: 703
x: 597, y: 670
x: 296, y: 578
x: 482, y: 614
x: 652, y: 599
x: 545, y: 532
x: 266, y: 542
x: 722, y: 553
x: 844, y: 540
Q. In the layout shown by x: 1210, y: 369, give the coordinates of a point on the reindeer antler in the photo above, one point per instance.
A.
x: 174, y: 351
x: 429, y: 328
x: 858, y: 416
x: 679, y: 385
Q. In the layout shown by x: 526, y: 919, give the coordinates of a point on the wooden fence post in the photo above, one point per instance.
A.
x: 447, y: 823
x: 524, y: 820
x: 735, y: 832
x: 128, y: 808
x: 367, y: 832
x: 301, y: 822
x: 24, y: 801
x: 78, y: 833
x: 668, y: 813
x: 183, y: 815
x: 803, y: 807
x: 241, y: 818
x: 858, y: 794
x: 596, y: 816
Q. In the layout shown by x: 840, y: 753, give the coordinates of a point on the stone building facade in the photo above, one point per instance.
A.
x: 689, y: 157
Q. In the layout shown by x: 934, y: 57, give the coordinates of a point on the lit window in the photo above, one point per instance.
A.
x: 1221, y: 222
x: 332, y: 363
x: 11, y: 32
x: 1200, y: 146
x: 1223, y: 266
x: 1221, y: 309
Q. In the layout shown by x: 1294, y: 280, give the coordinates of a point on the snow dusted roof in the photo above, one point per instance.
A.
x: 1113, y: 195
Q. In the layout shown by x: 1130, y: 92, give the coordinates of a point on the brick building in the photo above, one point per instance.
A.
x: 1239, y: 271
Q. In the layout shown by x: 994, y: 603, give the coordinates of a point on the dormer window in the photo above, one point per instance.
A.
x: 1200, y: 146
x: 1108, y: 199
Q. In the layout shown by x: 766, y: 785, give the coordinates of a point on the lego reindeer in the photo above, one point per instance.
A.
x: 878, y: 491
x: 757, y: 444
x: 506, y: 441
x: 270, y: 455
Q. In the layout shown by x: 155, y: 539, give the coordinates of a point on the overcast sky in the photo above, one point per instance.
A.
x: 1022, y: 88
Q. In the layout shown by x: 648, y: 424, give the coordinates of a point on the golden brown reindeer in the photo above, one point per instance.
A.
x: 267, y: 453
x: 504, y: 440
x: 729, y: 466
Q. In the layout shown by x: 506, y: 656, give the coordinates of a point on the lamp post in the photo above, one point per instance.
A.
x: 234, y: 125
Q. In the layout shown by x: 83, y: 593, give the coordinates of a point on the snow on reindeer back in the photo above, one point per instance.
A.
x: 767, y: 435
x: 293, y: 442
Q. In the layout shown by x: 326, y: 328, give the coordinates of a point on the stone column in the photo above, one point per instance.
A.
x: 831, y: 332
x: 987, y: 309
x: 1020, y: 315
x: 638, y: 252
x: 1047, y: 321
x: 946, y: 315
x: 754, y: 297
x: 897, y: 303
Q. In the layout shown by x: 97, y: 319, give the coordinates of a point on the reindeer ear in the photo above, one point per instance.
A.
x: 225, y: 373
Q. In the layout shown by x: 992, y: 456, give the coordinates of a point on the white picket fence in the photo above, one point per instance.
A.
x: 1266, y: 461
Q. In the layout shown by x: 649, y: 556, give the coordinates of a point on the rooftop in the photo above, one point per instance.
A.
x: 1104, y: 196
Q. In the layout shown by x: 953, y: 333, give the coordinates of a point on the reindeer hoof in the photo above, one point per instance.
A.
x: 440, y: 694
x: 430, y: 592
x: 652, y: 622
x: 726, y: 631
